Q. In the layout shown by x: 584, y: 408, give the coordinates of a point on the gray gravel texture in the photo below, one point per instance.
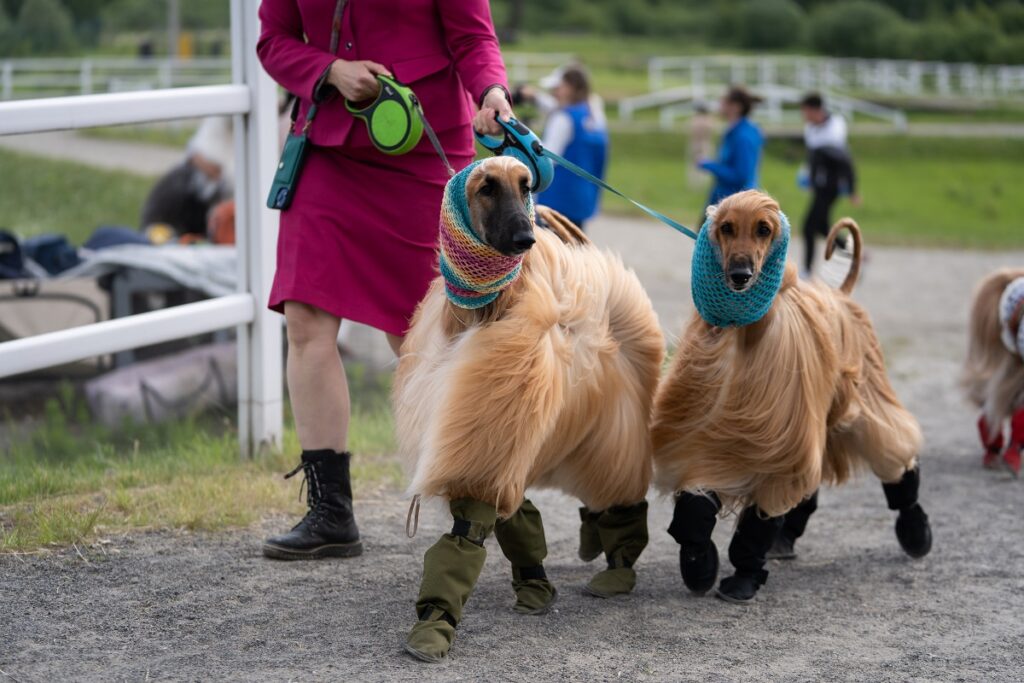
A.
x: 852, y: 607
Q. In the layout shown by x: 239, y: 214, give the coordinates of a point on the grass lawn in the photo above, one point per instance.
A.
x: 916, y: 191
x: 176, y: 136
x: 73, y: 482
x: 42, y: 195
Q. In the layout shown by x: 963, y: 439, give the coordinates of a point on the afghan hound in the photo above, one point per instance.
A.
x: 993, y: 375
x: 531, y: 362
x: 755, y: 418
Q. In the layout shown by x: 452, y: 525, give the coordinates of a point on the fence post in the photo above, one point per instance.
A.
x: 7, y: 80
x: 85, y: 77
x: 260, y: 383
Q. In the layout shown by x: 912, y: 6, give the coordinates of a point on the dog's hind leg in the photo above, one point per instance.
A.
x: 912, y: 527
x: 521, y: 538
x: 754, y: 535
x: 451, y: 568
x: 693, y: 520
x: 793, y: 528
x: 590, y: 537
x: 623, y: 533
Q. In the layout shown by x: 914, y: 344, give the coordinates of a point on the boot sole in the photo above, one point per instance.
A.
x: 730, y: 599
x: 277, y: 552
x: 541, y: 611
x: 416, y: 654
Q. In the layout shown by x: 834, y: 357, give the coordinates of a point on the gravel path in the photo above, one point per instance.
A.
x: 852, y: 607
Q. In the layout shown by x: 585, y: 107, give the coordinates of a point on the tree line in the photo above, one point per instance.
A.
x: 989, y: 31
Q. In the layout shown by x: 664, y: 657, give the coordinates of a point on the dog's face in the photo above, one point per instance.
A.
x: 744, y: 227
x: 498, y: 191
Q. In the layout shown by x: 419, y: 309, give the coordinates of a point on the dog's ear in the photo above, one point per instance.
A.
x: 711, y: 211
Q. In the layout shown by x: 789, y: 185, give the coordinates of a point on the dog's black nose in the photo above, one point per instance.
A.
x: 523, y: 240
x: 740, y: 274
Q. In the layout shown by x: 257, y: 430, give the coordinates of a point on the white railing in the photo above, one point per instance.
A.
x: 853, y: 77
x: 251, y: 100
x: 54, y: 77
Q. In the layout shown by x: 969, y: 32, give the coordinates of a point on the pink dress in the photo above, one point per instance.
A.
x: 360, y: 237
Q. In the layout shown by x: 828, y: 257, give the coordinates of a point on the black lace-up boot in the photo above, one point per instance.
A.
x: 329, y: 528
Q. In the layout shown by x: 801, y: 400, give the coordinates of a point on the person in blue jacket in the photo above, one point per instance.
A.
x: 740, y: 152
x: 576, y: 129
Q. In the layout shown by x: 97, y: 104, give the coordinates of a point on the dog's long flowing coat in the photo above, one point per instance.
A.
x: 763, y: 414
x: 993, y: 378
x: 550, y: 385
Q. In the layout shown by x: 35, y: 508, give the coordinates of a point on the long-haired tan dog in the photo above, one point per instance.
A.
x: 993, y: 376
x: 550, y: 386
x: 758, y: 417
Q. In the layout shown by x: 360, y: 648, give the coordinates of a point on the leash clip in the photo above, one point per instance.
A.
x: 413, y: 517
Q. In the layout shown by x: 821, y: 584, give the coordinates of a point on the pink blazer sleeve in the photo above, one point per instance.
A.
x: 289, y: 60
x: 469, y: 32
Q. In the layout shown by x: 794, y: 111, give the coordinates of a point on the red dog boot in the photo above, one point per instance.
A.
x: 1011, y: 456
x: 993, y: 443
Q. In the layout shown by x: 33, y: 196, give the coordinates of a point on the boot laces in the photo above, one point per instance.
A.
x: 311, y: 487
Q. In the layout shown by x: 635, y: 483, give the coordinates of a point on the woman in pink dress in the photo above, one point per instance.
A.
x: 359, y: 238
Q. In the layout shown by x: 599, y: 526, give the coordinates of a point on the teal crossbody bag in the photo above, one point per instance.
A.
x: 282, y: 190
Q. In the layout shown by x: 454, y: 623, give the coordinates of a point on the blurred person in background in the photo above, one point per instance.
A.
x: 181, y: 202
x: 575, y: 128
x: 739, y: 153
x: 830, y: 172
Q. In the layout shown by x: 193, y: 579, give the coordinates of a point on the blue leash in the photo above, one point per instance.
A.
x: 569, y: 166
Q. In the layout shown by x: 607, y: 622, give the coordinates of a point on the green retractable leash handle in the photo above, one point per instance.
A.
x: 395, y: 120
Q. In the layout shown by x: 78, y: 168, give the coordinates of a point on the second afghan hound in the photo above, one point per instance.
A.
x: 756, y: 418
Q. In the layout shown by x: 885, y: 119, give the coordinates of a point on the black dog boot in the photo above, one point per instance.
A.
x: 329, y: 528
x: 754, y: 535
x: 521, y: 538
x: 912, y: 528
x: 793, y: 528
x: 693, y: 521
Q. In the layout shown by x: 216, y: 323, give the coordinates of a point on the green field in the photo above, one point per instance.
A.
x: 42, y: 196
x: 952, y: 193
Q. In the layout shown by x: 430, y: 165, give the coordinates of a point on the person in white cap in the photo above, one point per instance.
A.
x: 575, y: 128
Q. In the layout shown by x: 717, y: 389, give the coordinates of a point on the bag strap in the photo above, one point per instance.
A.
x: 339, y: 12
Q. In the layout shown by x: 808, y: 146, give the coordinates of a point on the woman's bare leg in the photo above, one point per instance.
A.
x: 316, y: 378
x: 395, y: 342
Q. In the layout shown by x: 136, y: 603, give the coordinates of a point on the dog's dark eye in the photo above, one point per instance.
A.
x: 487, y: 189
x: 764, y: 230
x: 725, y: 228
x: 524, y: 187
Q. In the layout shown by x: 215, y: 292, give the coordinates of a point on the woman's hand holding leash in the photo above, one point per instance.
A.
x: 494, y: 103
x: 356, y: 81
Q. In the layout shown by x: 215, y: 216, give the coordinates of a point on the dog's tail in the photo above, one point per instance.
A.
x: 858, y: 250
x: 565, y: 229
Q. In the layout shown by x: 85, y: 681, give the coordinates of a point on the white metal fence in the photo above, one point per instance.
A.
x: 251, y: 99
x: 853, y: 77
x: 33, y: 78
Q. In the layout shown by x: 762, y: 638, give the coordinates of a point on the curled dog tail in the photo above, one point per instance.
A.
x: 566, y: 230
x: 858, y: 250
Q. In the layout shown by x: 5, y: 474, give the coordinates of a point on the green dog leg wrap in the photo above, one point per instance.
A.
x: 623, y: 532
x: 521, y: 538
x: 451, y: 568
